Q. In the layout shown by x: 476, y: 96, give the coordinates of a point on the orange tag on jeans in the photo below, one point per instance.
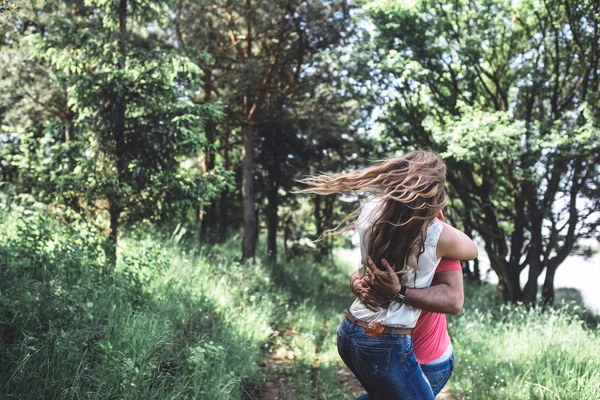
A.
x: 374, y: 330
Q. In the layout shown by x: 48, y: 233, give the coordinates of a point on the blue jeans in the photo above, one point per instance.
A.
x: 439, y: 374
x: 386, y: 368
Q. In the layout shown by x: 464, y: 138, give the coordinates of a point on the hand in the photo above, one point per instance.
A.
x: 385, y: 282
x: 371, y: 298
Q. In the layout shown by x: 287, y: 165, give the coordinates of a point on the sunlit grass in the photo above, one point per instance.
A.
x: 183, y: 321
x: 511, y: 352
x: 173, y: 321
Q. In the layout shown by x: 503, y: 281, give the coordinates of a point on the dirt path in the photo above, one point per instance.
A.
x: 349, y: 383
x: 277, y: 363
x: 445, y: 395
x: 348, y: 380
x: 277, y: 360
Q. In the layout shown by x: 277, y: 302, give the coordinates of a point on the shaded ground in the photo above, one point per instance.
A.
x: 278, y: 363
x: 348, y: 379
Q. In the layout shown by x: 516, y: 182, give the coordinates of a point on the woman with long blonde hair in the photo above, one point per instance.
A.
x: 398, y: 225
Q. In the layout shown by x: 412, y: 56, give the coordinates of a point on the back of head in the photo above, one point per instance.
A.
x: 413, y: 193
x: 412, y: 190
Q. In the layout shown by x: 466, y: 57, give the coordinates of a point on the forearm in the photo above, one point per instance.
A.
x: 440, y: 298
x: 353, y: 278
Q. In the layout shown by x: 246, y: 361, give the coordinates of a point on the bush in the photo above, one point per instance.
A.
x: 169, y: 321
x: 509, y: 351
x: 174, y: 320
x: 69, y: 329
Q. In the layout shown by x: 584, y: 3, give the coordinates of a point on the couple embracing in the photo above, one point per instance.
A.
x: 394, y: 337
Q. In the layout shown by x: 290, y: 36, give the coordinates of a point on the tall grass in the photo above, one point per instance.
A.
x: 168, y: 323
x: 513, y: 352
x: 172, y: 321
x: 181, y: 321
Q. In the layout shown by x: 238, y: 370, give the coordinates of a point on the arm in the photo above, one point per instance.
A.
x: 372, y: 299
x: 353, y: 280
x: 454, y: 244
x: 446, y: 297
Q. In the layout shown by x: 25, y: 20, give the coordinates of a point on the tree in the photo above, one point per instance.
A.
x: 259, y: 52
x: 313, y: 131
x: 129, y: 112
x: 504, y: 91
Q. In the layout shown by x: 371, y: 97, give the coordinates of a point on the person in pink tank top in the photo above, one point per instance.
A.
x: 431, y: 342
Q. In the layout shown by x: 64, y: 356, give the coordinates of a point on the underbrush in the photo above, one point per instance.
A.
x: 177, y: 320
x: 506, y: 351
x: 171, y: 321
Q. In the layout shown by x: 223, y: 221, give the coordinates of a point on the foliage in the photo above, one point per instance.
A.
x: 153, y: 327
x: 506, y: 351
x: 171, y: 309
x: 503, y: 91
x: 97, y: 112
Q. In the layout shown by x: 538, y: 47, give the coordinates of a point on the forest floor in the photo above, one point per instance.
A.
x: 177, y: 321
x: 278, y: 363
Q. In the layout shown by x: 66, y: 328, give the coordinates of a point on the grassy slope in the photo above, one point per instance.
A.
x: 510, y: 352
x: 177, y: 323
x: 173, y: 321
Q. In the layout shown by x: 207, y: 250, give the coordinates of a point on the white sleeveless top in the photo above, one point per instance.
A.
x: 396, y: 315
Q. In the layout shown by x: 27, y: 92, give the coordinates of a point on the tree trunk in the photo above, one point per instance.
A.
x: 535, y: 269
x: 476, y: 272
x: 115, y: 206
x: 224, y: 200
x: 223, y: 218
x: 514, y: 285
x: 318, y: 225
x: 271, y: 213
x: 250, y: 222
x: 466, y: 270
x: 209, y: 220
x: 509, y: 284
x: 548, y: 286
x: 111, y: 243
x: 531, y: 287
x: 328, y: 216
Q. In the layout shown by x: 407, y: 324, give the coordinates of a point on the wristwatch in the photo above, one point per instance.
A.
x: 399, y: 298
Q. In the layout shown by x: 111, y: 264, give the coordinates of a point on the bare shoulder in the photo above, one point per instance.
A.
x: 455, y: 244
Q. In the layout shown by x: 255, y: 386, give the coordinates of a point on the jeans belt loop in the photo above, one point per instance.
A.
x: 392, y: 333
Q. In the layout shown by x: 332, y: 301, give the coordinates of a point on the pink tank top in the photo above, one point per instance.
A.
x: 430, y: 335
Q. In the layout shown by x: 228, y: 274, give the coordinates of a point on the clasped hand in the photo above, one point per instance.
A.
x: 377, y: 286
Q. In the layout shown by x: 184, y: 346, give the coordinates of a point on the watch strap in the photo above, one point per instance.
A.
x: 399, y: 298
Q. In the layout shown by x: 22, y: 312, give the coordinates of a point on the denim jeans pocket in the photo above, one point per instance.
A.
x: 439, y: 374
x: 438, y: 379
x: 372, y: 362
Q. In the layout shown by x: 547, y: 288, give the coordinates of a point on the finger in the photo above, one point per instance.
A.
x: 388, y: 267
x: 371, y: 303
x: 371, y: 266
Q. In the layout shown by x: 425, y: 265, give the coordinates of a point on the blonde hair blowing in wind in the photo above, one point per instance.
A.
x: 412, y: 191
